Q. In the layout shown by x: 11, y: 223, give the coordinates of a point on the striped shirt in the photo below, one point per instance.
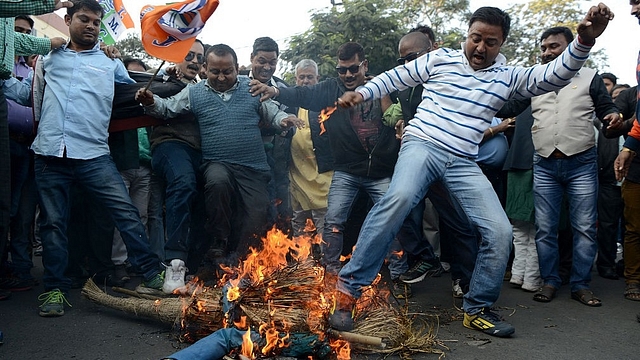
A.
x: 458, y: 102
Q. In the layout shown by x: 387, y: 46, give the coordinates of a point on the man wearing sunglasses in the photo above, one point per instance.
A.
x: 364, y: 149
x: 176, y: 158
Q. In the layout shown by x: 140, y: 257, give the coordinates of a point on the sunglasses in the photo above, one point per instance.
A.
x: 191, y: 55
x: 352, y: 69
x: 412, y: 56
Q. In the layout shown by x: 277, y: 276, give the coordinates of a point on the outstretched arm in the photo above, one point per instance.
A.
x: 168, y: 108
x: 594, y: 23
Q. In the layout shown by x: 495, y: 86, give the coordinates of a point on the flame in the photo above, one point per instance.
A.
x: 273, y: 340
x: 309, y: 226
x: 341, y: 348
x: 325, y: 114
x: 247, y: 345
x: 277, y: 252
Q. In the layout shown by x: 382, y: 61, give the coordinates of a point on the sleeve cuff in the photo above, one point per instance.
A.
x: 632, y: 143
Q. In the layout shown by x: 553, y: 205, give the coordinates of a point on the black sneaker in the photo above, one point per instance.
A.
x: 342, y: 314
x: 489, y: 323
x: 400, y: 290
x: 421, y: 270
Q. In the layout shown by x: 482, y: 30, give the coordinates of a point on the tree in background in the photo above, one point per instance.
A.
x: 530, y: 20
x: 377, y: 25
x: 131, y: 46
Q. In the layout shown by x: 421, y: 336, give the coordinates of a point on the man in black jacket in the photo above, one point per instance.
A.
x: 364, y: 149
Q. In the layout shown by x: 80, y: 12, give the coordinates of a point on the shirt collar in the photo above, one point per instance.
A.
x: 231, y: 89
x: 271, y: 81
x: 95, y: 47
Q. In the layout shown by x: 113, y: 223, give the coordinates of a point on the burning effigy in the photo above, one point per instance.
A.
x: 276, y: 302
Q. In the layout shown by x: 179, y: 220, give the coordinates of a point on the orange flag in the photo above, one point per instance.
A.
x: 169, y: 31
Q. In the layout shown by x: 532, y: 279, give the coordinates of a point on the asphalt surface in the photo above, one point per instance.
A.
x: 562, y: 329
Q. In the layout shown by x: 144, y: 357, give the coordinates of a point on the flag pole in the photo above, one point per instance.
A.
x: 154, y: 75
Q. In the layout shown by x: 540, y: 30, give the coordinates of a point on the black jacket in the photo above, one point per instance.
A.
x: 348, y: 153
x: 321, y: 144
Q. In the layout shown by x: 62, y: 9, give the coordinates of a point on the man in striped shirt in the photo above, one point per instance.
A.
x: 463, y: 89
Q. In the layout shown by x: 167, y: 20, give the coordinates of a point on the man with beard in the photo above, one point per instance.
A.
x: 566, y: 162
x: 71, y: 148
x: 441, y: 143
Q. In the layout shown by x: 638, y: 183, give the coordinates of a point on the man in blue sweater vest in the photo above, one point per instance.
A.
x: 234, y: 167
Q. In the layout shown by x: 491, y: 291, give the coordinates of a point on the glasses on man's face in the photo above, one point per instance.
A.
x: 411, y: 56
x: 191, y: 55
x: 352, y: 69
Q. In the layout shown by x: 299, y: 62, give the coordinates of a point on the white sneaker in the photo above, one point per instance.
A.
x: 174, y: 276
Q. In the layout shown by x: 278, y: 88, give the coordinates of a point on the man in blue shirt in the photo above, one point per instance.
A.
x: 71, y: 148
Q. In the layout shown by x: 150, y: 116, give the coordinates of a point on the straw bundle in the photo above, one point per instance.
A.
x: 294, y: 285
x: 166, y: 310
x: 287, y: 298
x: 292, y: 319
x: 202, y: 315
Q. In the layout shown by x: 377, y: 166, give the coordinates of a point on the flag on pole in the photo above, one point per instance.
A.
x: 169, y: 31
x: 115, y: 22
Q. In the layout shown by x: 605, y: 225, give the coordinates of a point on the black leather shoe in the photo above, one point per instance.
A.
x: 608, y: 273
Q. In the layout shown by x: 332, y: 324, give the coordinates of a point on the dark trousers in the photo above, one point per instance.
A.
x: 610, y: 208
x: 90, y: 235
x: 236, y: 202
x: 631, y: 197
x: 24, y: 199
x: 177, y: 164
x: 5, y: 174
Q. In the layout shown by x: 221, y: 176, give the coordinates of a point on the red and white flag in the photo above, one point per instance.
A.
x: 169, y: 31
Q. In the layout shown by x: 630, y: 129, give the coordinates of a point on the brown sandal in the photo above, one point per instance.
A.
x: 545, y: 294
x: 585, y: 296
x: 632, y: 292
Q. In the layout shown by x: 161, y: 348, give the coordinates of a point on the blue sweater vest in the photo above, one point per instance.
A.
x: 229, y: 130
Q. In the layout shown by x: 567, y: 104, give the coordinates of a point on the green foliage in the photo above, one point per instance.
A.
x: 377, y: 25
x: 530, y: 20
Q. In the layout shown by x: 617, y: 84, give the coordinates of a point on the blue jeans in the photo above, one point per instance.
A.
x: 420, y: 163
x: 342, y: 195
x: 577, y: 176
x: 155, y: 215
x: 178, y: 164
x: 99, y: 176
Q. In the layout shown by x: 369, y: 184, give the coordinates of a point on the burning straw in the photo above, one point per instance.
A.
x: 290, y: 296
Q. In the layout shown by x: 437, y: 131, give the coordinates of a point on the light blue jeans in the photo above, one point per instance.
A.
x: 578, y: 177
x: 420, y: 163
x: 342, y: 195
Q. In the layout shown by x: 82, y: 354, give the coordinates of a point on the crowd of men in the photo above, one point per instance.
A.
x: 466, y: 163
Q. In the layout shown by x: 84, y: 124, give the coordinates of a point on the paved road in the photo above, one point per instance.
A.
x: 562, y: 329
